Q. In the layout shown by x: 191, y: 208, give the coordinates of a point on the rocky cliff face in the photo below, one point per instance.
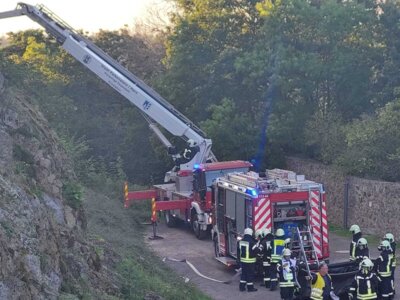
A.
x: 43, y: 250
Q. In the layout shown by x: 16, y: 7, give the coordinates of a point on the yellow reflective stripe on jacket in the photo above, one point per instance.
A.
x: 286, y: 283
x: 317, y: 288
x: 392, y: 258
x: 369, y: 295
x: 247, y: 258
x: 275, y: 258
x: 353, y: 250
x: 388, y: 271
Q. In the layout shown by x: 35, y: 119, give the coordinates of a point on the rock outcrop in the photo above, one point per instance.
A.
x: 44, y: 253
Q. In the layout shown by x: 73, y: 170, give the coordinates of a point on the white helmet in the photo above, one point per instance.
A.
x: 366, y: 264
x: 248, y: 231
x: 266, y: 231
x: 259, y: 234
x: 384, y: 245
x: 389, y: 237
x: 191, y: 143
x: 362, y: 242
x: 355, y: 229
x: 286, y: 252
x: 279, y: 232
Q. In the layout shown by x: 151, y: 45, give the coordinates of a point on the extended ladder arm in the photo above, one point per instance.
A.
x: 128, y: 85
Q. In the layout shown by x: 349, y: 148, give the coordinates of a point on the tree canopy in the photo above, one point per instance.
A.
x: 264, y: 79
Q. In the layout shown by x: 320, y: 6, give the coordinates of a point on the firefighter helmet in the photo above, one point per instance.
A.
x: 279, y: 232
x: 355, y: 229
x: 191, y: 143
x: 389, y: 237
x: 366, y: 265
x: 259, y: 234
x: 248, y: 231
x: 286, y: 252
x: 362, y: 243
x: 384, y: 245
x: 266, y: 231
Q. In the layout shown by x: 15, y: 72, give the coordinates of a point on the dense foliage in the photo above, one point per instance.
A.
x: 264, y: 79
x: 311, y: 78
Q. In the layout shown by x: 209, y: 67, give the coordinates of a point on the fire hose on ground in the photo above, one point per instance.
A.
x: 198, y: 272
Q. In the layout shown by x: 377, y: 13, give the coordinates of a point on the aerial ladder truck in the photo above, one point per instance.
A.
x: 217, y: 197
x: 185, y: 193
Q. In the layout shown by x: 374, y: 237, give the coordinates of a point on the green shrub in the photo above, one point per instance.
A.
x: 73, y: 194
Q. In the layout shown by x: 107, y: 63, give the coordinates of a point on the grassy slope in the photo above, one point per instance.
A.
x: 142, y: 272
x: 340, y: 231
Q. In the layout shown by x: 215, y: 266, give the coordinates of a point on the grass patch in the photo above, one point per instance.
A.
x: 339, y: 230
x: 152, y: 277
x: 373, y: 240
x: 141, y: 271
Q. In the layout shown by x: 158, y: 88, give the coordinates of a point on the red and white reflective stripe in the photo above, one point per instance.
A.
x: 222, y: 243
x: 315, y: 219
x: 324, y: 223
x: 262, y: 214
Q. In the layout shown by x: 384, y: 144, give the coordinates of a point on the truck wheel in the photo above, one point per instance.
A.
x: 170, y: 220
x: 200, y: 234
x: 216, y: 247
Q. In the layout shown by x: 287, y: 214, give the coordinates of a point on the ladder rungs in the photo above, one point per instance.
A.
x: 304, y: 245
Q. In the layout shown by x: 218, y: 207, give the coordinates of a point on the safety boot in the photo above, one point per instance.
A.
x: 268, y: 284
x: 251, y: 288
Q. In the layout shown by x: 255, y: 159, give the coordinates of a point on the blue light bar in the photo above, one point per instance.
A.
x: 196, y: 166
x: 252, y: 192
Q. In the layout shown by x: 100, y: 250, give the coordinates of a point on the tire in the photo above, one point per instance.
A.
x: 200, y: 234
x: 170, y: 220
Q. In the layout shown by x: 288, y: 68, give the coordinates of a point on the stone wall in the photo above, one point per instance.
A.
x: 372, y: 204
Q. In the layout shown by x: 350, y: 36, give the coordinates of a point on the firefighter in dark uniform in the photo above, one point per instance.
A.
x: 390, y: 238
x: 287, y: 275
x: 362, y: 250
x: 247, y: 253
x: 383, y: 267
x: 355, y: 229
x: 278, y: 245
x: 260, y: 245
x: 266, y: 256
x: 365, y: 284
x: 189, y: 152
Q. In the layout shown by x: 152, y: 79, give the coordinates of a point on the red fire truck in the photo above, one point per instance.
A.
x: 279, y: 199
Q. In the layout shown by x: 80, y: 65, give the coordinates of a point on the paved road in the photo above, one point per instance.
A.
x: 180, y: 243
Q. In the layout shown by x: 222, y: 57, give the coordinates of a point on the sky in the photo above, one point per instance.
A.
x: 89, y: 15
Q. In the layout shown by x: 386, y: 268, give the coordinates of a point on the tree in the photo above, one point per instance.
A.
x: 321, y: 60
x: 80, y: 105
x: 233, y: 132
x: 206, y: 38
x: 373, y: 144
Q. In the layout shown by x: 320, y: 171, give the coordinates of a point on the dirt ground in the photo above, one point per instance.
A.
x: 180, y: 243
